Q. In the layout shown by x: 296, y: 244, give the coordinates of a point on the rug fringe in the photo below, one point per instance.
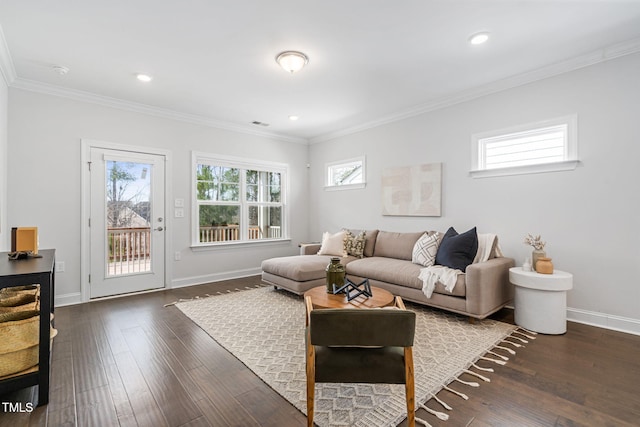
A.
x: 508, y: 350
x: 515, y: 344
x: 462, y: 395
x: 528, y: 331
x: 482, y: 369
x: 502, y: 360
x: 444, y: 405
x: 423, y: 422
x: 209, y: 295
x: 441, y: 415
x: 482, y: 377
x: 531, y: 337
x: 497, y: 355
x: 499, y: 362
x: 469, y: 383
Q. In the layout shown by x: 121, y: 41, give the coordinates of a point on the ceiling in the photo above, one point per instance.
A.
x: 370, y: 61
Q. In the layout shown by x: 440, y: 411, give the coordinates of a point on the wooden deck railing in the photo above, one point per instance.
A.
x: 129, y: 249
x: 225, y: 233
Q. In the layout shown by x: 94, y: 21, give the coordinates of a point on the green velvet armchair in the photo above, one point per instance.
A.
x: 360, y: 346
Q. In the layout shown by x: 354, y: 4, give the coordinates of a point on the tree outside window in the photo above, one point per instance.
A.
x: 128, y: 194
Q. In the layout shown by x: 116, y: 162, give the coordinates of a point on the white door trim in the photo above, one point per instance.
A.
x: 85, y: 208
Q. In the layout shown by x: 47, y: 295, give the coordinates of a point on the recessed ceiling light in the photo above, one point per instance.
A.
x: 294, y: 118
x: 144, y: 77
x: 60, y: 69
x: 479, y: 38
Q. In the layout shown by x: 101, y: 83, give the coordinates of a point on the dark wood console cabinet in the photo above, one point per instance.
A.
x: 27, y: 272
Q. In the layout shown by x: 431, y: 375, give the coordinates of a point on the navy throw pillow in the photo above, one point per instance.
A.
x: 457, y: 250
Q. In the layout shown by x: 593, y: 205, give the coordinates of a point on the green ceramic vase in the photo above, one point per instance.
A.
x: 335, y: 274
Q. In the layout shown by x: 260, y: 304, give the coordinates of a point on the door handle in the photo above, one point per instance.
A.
x: 159, y: 229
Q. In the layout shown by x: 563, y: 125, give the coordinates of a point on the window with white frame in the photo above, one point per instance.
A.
x: 346, y: 174
x: 238, y: 200
x: 538, y: 147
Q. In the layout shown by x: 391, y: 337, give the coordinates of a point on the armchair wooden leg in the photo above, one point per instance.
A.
x: 311, y: 380
x: 409, y: 387
x: 310, y: 398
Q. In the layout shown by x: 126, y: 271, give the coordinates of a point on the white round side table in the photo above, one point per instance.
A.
x: 541, y: 300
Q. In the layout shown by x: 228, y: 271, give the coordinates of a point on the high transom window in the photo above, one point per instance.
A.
x: 540, y: 147
x: 238, y: 200
x: 346, y: 174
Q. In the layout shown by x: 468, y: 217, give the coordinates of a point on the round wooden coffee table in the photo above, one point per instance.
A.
x: 321, y: 299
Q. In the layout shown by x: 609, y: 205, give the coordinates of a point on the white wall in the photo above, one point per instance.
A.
x: 4, y: 106
x: 45, y: 169
x: 588, y: 216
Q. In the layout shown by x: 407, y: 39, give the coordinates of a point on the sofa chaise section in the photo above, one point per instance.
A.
x: 298, y: 273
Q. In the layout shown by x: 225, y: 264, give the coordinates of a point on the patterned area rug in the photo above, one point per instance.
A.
x: 264, y: 328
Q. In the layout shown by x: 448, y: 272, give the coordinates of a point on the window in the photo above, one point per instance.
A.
x: 346, y: 174
x: 238, y: 200
x: 540, y: 147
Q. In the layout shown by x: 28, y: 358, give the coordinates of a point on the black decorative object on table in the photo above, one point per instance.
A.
x: 352, y: 290
x: 22, y: 255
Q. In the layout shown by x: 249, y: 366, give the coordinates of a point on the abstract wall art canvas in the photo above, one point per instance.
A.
x: 412, y: 190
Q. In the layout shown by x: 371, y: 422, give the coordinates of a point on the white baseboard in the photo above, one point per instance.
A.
x: 603, y: 320
x: 67, y: 299
x: 216, y: 277
x: 76, y: 297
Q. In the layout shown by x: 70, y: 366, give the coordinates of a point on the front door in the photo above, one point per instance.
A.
x: 127, y: 226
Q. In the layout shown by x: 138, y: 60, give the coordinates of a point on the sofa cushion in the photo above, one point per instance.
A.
x: 425, y: 250
x: 396, y: 245
x: 399, y: 272
x: 333, y: 244
x: 300, y: 267
x: 390, y: 270
x: 370, y: 242
x: 457, y: 250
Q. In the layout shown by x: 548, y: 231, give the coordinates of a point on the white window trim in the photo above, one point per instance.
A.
x: 571, y: 149
x: 199, y: 157
x: 363, y: 184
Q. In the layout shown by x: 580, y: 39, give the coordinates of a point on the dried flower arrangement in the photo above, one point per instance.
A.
x: 536, y: 242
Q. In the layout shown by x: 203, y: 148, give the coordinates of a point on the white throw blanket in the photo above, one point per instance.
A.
x: 438, y: 273
x: 430, y: 276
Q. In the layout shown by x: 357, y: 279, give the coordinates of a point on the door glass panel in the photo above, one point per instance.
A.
x: 128, y: 194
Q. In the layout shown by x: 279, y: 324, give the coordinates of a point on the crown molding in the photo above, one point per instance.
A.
x: 8, y: 72
x: 105, y: 101
x: 601, y: 55
x: 7, y: 69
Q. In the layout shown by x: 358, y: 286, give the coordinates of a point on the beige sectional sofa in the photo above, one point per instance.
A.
x: 481, y: 291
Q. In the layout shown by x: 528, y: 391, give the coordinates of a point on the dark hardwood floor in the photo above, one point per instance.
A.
x: 132, y: 362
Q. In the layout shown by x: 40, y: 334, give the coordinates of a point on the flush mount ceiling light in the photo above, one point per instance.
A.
x: 293, y: 118
x: 144, y: 77
x: 292, y: 60
x: 479, y: 38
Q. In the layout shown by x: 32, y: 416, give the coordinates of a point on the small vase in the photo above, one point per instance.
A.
x: 335, y: 274
x: 544, y: 266
x: 535, y: 256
